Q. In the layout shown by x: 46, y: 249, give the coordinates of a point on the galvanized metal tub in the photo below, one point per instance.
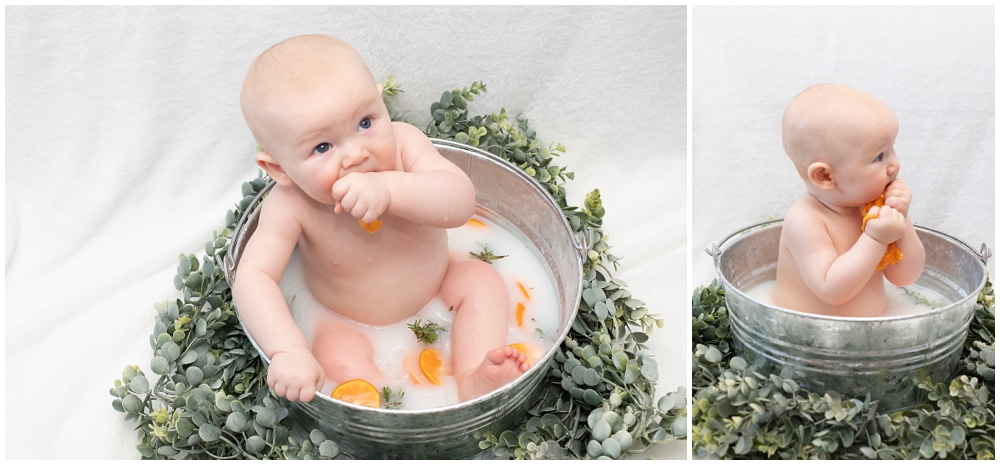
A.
x: 508, y: 196
x: 884, y: 356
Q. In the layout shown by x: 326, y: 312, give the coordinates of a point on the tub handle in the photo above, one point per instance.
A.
x: 228, y: 264
x: 715, y: 252
x: 984, y: 253
x: 583, y: 241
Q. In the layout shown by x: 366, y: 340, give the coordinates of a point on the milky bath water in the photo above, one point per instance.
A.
x: 396, y: 348
x: 902, y: 301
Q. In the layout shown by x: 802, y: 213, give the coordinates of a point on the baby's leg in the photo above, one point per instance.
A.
x: 481, y: 360
x: 344, y: 353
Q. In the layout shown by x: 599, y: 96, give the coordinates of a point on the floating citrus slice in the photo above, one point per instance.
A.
x: 519, y: 314
x: 530, y: 351
x: 476, y: 223
x: 892, y: 253
x: 430, y: 365
x: 524, y: 291
x: 358, y: 391
x: 371, y: 227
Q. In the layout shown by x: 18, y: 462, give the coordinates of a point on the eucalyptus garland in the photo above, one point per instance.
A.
x: 211, y: 399
x: 738, y: 413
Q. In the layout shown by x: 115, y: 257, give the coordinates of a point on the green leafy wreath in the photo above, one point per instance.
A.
x: 737, y: 413
x: 211, y: 399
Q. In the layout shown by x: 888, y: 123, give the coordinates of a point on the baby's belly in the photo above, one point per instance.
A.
x: 381, y: 289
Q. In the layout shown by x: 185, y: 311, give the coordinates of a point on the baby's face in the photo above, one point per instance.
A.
x: 328, y: 127
x: 861, y: 156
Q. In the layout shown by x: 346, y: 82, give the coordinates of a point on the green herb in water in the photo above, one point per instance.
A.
x: 390, y: 399
x: 426, y: 333
x: 486, y: 255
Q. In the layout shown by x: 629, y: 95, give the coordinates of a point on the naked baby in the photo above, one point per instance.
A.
x: 841, y: 142
x: 341, y: 167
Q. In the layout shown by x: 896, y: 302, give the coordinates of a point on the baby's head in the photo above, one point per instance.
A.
x: 841, y: 142
x: 316, y: 111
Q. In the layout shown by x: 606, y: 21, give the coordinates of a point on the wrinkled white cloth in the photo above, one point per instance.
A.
x: 125, y: 146
x: 934, y: 66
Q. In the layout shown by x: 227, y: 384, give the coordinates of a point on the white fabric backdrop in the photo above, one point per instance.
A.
x: 934, y: 66
x: 125, y: 147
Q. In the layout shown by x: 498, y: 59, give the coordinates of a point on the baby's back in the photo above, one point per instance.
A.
x: 809, y: 224
x: 374, y: 278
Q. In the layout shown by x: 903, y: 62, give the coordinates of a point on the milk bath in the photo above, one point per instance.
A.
x: 902, y: 301
x: 395, y: 346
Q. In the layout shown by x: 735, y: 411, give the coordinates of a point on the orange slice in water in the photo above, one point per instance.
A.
x: 519, y: 314
x: 476, y: 223
x: 358, y: 391
x: 524, y: 291
x: 371, y: 227
x: 530, y: 351
x: 430, y: 365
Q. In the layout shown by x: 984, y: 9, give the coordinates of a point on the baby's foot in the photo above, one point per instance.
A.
x: 499, y: 367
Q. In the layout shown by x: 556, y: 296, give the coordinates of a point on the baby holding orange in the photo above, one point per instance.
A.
x: 841, y: 141
x: 328, y: 142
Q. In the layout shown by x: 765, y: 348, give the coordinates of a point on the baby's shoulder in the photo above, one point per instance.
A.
x: 284, y: 204
x: 806, y: 216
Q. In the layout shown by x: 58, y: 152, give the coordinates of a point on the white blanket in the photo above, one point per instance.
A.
x: 125, y: 147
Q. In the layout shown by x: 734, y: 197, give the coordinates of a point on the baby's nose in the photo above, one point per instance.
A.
x: 355, y: 155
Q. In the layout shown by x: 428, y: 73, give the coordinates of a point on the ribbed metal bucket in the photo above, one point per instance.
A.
x: 517, y: 202
x: 886, y: 357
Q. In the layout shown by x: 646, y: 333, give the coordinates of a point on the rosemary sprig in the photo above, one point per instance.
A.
x: 486, y: 255
x: 426, y: 333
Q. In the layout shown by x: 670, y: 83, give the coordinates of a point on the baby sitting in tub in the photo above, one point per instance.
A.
x: 317, y: 113
x: 841, y: 142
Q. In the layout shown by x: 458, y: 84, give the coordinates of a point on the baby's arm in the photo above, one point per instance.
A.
x: 834, y: 278
x: 910, y: 267
x: 430, y: 190
x: 294, y: 373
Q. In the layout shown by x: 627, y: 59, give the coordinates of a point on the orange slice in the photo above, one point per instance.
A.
x: 358, y: 391
x: 371, y: 227
x: 530, y: 351
x: 524, y: 291
x: 430, y: 365
x: 476, y: 223
x: 519, y: 315
x: 892, y: 254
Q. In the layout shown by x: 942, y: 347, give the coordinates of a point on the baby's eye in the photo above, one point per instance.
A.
x: 879, y: 157
x: 364, y: 124
x: 322, y: 148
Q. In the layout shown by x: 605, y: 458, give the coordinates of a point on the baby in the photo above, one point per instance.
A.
x: 841, y: 142
x: 317, y: 113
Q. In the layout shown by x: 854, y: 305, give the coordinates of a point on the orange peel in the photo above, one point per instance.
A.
x: 358, y: 391
x: 524, y: 290
x: 519, y: 314
x: 476, y: 223
x: 371, y: 227
x: 892, y: 254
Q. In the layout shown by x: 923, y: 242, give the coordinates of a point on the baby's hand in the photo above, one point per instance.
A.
x: 888, y: 227
x: 898, y: 196
x: 364, y: 195
x: 295, y: 375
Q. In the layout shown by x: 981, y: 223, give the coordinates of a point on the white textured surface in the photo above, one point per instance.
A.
x: 125, y: 146
x: 933, y: 66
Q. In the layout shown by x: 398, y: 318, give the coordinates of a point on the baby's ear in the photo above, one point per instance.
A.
x: 819, y: 174
x: 272, y: 168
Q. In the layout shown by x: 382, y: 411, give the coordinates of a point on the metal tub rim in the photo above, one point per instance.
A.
x: 716, y: 251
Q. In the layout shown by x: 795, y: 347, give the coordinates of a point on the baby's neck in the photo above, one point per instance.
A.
x: 839, y: 210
